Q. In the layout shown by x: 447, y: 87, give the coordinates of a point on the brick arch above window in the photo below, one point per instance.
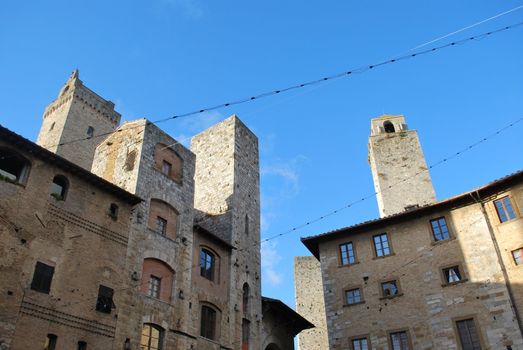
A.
x: 157, y: 279
x: 167, y: 161
x: 163, y: 218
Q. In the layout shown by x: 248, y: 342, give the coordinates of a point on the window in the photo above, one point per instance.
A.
x: 81, y: 345
x: 399, y: 340
x: 50, y: 342
x: 518, y: 256
x: 208, y: 322
x: 154, y: 286
x: 13, y: 167
x: 468, y: 336
x: 389, y: 127
x: 246, y: 224
x: 440, y: 230
x: 389, y: 289
x: 353, y: 296
x: 360, y: 344
x: 52, y: 126
x: 152, y: 337
x: 207, y: 262
x: 166, y: 168
x: 105, y: 303
x: 59, y: 187
x: 90, y: 132
x: 161, y: 225
x: 42, y: 277
x: 452, y: 274
x: 381, y: 245
x: 246, y: 332
x: 245, y: 298
x: 113, y: 211
x: 504, y: 209
x: 347, y: 254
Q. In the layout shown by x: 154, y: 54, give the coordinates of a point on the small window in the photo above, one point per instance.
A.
x: 389, y: 127
x: 154, y: 286
x: 152, y: 337
x: 81, y: 345
x: 381, y: 245
x: 246, y: 224
x: 42, y: 277
x: 161, y: 225
x: 440, y: 230
x: 50, y: 342
x: 113, y: 211
x: 389, y: 289
x: 59, y: 187
x: 105, y: 303
x: 90, y: 132
x: 347, y: 254
x: 52, y: 126
x: 504, y: 209
x: 13, y: 167
x: 468, y: 336
x: 207, y: 262
x: 353, y: 296
x: 245, y: 298
x: 166, y: 168
x: 360, y: 344
x: 399, y: 341
x: 208, y: 322
x: 518, y: 256
x: 452, y: 274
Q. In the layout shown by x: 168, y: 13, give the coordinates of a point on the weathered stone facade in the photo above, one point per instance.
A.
x: 419, y: 276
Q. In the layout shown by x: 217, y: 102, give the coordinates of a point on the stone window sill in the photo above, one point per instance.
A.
x: 383, y: 256
x: 443, y: 241
x: 391, y: 296
x: 348, y: 265
x: 454, y: 283
x: 354, y: 304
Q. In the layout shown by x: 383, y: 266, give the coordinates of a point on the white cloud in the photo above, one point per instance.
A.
x: 270, y: 260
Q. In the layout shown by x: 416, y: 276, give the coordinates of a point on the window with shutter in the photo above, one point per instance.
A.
x: 468, y: 335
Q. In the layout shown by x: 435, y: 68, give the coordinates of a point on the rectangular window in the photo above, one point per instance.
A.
x: 399, y: 341
x: 353, y: 296
x: 468, y: 336
x: 246, y: 332
x: 347, y: 254
x: 389, y: 288
x: 161, y: 225
x: 166, y: 168
x: 207, y: 262
x: 50, y: 342
x: 518, y: 256
x: 504, y: 209
x: 81, y: 345
x: 105, y: 303
x: 381, y: 245
x: 154, y: 286
x: 360, y: 344
x: 42, y: 277
x: 452, y: 274
x: 208, y: 322
x: 440, y: 230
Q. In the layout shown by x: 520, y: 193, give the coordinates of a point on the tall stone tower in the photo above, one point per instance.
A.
x: 399, y: 170
x: 227, y: 186
x: 77, y: 113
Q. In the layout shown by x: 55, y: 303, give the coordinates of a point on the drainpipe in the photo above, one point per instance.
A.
x: 500, y: 260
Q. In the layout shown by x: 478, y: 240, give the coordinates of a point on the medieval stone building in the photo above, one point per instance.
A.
x: 428, y: 274
x: 166, y: 238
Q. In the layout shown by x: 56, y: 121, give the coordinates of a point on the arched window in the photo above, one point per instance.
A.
x: 163, y: 218
x: 59, y: 187
x: 208, y: 322
x: 207, y: 264
x: 388, y: 126
x: 157, y: 279
x: 152, y: 337
x: 168, y: 162
x: 13, y: 166
x: 245, y: 298
x: 90, y: 132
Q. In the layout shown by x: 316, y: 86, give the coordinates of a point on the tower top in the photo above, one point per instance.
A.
x: 387, y: 123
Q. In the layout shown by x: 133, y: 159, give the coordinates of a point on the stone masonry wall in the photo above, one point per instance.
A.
x: 310, y: 303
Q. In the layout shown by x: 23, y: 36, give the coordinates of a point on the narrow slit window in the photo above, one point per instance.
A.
x: 113, y: 211
x: 90, y: 132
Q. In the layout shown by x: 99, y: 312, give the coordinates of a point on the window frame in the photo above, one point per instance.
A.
x: 204, y: 322
x: 400, y: 330
x: 51, y: 341
x: 398, y: 287
x: 39, y: 284
x: 163, y: 231
x: 23, y: 176
x: 352, y: 288
x: 360, y: 337
x: 340, y: 254
x: 213, y: 273
x: 82, y: 345
x: 473, y: 317
x: 101, y: 304
x: 161, y: 335
x: 375, y: 251
x: 514, y: 259
x: 151, y: 290
x: 449, y: 230
x: 442, y: 269
x: 512, y: 205
x: 62, y: 196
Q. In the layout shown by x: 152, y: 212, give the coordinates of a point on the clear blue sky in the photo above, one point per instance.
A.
x: 162, y: 57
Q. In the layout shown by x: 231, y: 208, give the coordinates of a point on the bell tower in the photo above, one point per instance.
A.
x: 398, y: 166
x: 77, y: 113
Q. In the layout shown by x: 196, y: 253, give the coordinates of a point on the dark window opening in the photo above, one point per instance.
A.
x: 81, y: 345
x: 113, y: 211
x: 504, y: 209
x: 207, y: 262
x: 50, y: 342
x: 105, y: 303
x: 208, y: 322
x: 245, y: 298
x: 389, y: 127
x: 166, y: 168
x: 59, y: 187
x: 246, y: 332
x: 90, y: 132
x: 42, y: 277
x: 440, y: 230
x: 468, y: 335
x: 161, y: 225
x: 246, y: 224
x: 13, y: 167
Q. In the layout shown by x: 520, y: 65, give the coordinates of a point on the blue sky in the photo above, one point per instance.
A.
x: 162, y: 57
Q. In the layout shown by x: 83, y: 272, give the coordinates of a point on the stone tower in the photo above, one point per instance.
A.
x: 399, y: 170
x: 227, y: 187
x: 77, y: 113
